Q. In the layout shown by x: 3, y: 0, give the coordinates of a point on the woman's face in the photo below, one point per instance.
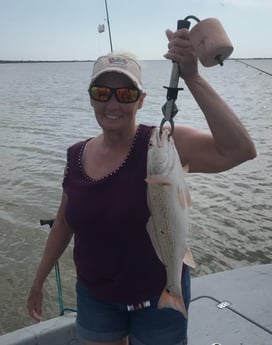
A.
x: 113, y: 115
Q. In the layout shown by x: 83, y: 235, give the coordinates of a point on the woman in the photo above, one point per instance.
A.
x: 104, y: 204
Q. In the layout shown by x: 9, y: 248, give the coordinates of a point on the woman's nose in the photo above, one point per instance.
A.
x: 112, y: 102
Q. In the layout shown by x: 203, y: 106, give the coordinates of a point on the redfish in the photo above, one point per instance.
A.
x: 169, y: 201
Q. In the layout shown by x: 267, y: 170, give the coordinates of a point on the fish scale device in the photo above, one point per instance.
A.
x: 212, y: 47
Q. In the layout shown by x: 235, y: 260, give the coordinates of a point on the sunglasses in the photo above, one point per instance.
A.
x: 122, y: 94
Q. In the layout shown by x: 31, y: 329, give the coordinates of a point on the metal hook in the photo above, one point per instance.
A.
x: 171, y: 121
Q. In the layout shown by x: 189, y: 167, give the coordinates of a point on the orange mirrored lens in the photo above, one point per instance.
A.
x: 100, y: 93
x: 127, y: 95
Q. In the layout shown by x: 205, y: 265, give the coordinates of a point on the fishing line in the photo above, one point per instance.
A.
x: 258, y: 69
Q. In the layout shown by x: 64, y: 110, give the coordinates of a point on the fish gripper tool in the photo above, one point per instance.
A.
x: 169, y: 109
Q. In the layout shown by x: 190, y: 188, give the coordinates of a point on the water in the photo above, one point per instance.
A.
x: 45, y: 108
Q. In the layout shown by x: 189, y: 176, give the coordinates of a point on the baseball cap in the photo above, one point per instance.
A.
x: 118, y: 63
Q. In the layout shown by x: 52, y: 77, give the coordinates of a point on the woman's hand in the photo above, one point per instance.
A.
x: 58, y: 239
x: 34, y: 303
x: 182, y: 52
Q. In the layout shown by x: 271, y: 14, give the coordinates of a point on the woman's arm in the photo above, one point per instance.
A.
x: 228, y: 142
x: 58, y: 239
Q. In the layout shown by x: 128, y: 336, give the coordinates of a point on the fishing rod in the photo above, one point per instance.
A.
x: 62, y: 309
x: 258, y: 69
x: 108, y: 22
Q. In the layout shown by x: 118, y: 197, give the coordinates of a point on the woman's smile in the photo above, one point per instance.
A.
x: 113, y: 116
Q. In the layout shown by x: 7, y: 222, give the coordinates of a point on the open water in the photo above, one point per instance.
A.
x: 44, y: 108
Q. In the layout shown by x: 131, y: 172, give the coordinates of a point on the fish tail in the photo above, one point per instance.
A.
x: 175, y: 302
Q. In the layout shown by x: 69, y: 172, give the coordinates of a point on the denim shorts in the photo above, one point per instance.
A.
x: 103, y: 322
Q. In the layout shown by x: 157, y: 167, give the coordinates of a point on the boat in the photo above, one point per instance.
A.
x: 233, y: 307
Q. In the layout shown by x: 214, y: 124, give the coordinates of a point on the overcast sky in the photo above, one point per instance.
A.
x: 68, y: 29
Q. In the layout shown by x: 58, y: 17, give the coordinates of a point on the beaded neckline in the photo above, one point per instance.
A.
x: 94, y: 180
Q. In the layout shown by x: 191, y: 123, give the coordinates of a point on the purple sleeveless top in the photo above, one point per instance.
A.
x: 113, y: 254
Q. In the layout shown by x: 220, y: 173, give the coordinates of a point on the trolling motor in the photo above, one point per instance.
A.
x: 212, y: 47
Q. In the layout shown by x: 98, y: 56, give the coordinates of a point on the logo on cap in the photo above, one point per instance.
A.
x: 118, y: 61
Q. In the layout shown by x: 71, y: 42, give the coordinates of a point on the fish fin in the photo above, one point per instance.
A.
x: 188, y: 258
x: 153, y: 238
x: 185, y: 169
x: 160, y: 179
x: 185, y: 198
x: 175, y: 302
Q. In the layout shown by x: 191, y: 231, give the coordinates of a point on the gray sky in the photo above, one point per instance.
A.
x: 68, y: 29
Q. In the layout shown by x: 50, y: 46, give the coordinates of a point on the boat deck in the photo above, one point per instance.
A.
x: 228, y: 308
x: 232, y: 307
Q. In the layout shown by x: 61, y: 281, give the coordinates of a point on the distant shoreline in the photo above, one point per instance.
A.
x: 61, y: 61
x: 42, y: 61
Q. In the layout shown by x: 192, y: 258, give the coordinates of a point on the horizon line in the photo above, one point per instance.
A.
x: 3, y: 61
